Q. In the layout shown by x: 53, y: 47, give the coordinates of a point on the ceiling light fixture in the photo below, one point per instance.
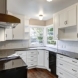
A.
x: 49, y: 0
x: 40, y: 17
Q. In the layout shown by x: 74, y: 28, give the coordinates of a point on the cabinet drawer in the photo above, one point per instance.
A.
x: 68, y: 59
x: 64, y: 74
x: 31, y: 53
x: 32, y: 60
x: 20, y: 53
x: 31, y: 64
x: 32, y: 56
x: 67, y: 66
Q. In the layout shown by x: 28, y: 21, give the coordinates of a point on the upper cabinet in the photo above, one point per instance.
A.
x: 20, y: 31
x: 68, y: 17
x: 66, y: 24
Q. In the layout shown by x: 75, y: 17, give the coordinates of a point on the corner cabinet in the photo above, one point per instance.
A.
x: 17, y: 33
x: 66, y: 24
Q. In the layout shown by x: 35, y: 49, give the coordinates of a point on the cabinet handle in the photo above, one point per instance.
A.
x: 61, y: 64
x: 6, y: 35
x: 74, y: 70
x: 65, y: 22
x: 57, y: 35
x: 74, y: 61
x: 13, y: 35
x: 12, y: 63
x: 61, y: 57
x: 61, y: 73
x: 77, y: 35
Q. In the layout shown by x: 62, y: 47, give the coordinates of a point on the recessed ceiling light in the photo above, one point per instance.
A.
x: 49, y: 0
x: 40, y: 17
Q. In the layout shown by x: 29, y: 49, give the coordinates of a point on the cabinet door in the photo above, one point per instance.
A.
x: 18, y: 31
x: 8, y: 34
x: 72, y: 16
x: 17, y: 63
x: 8, y: 65
x: 2, y: 34
x: 63, y: 19
x: 56, y: 25
x: 47, y: 59
x: 41, y: 58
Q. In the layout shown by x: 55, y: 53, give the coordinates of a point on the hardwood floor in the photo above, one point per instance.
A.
x: 39, y: 73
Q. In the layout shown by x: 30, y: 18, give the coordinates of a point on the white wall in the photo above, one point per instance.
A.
x: 68, y: 46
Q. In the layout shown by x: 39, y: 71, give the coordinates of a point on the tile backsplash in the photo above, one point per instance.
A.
x: 68, y: 46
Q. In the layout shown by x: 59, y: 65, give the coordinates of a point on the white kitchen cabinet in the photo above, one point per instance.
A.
x: 2, y: 34
x: 8, y: 34
x: 56, y: 25
x: 46, y: 59
x: 18, y: 31
x: 68, y: 17
x: 41, y: 60
x: 63, y: 19
x: 67, y: 67
x: 8, y: 65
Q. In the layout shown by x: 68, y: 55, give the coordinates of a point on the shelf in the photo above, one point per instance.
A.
x: 68, y: 33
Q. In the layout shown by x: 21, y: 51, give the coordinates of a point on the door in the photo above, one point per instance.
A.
x: 72, y: 15
x: 56, y: 26
x: 47, y: 59
x: 18, y: 31
x: 8, y: 34
x: 41, y: 58
x: 63, y: 19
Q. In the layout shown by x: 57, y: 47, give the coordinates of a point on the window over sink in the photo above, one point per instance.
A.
x: 36, y: 36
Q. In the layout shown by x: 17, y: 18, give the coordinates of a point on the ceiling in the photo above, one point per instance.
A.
x: 32, y: 8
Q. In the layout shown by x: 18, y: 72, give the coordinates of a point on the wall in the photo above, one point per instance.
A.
x: 37, y: 22
x: 49, y: 22
x: 71, y: 46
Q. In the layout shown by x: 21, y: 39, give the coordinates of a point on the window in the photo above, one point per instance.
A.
x: 36, y: 36
x: 50, y: 33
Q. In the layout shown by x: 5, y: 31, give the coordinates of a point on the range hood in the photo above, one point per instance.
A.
x: 7, y: 20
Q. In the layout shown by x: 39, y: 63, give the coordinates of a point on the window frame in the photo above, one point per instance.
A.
x: 50, y: 45
x: 39, y: 45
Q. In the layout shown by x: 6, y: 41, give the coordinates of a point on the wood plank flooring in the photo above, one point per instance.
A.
x: 39, y: 73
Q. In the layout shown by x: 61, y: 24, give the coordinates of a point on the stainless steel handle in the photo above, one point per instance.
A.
x: 77, y: 35
x: 74, y: 61
x: 13, y: 35
x: 61, y: 57
x: 61, y: 73
x: 6, y: 35
x: 65, y: 22
x: 74, y: 70
x: 61, y: 64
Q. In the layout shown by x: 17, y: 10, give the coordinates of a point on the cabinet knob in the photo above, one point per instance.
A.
x: 65, y: 22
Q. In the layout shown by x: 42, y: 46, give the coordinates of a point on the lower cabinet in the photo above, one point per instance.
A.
x: 35, y: 58
x: 47, y: 59
x: 66, y: 68
x: 41, y: 59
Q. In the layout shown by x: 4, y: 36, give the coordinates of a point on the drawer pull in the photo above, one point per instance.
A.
x: 31, y: 56
x: 61, y: 64
x: 61, y: 57
x: 74, y: 61
x: 74, y: 70
x: 61, y: 73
